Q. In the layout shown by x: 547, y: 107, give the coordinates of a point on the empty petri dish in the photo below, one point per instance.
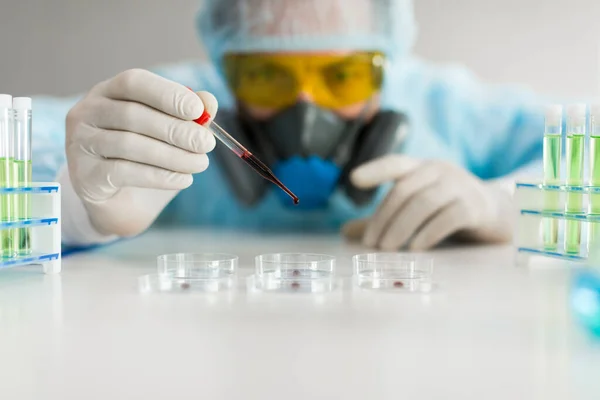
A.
x: 393, y: 272
x: 207, y: 272
x: 295, y: 272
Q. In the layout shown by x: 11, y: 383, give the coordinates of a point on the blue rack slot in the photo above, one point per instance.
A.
x: 28, y: 222
x: 32, y: 189
x: 553, y: 254
x: 560, y: 188
x: 32, y: 259
x: 563, y: 215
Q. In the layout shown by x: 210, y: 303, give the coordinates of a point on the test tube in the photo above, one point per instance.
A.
x: 7, y: 248
x: 576, y: 115
x: 552, y: 163
x: 22, y: 165
x: 594, y: 181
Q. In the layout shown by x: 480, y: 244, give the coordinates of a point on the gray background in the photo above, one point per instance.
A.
x: 61, y: 47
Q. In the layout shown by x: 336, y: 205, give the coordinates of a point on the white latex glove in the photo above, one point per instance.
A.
x: 132, y: 144
x: 429, y: 202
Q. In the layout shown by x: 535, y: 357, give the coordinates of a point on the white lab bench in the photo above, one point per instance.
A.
x: 489, y: 331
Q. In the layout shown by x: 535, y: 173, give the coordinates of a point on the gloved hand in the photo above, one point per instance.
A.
x: 132, y: 144
x: 429, y: 202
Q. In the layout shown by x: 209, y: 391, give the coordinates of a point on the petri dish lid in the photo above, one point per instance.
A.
x: 294, y: 272
x: 295, y: 265
x: 207, y: 272
x: 197, y: 265
x: 412, y: 272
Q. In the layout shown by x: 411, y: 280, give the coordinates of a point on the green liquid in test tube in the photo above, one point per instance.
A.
x: 576, y: 115
x: 594, y: 153
x: 22, y: 167
x: 552, y: 154
x: 7, y: 245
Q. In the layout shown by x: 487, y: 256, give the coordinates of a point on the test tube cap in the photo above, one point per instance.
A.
x: 554, y: 113
x: 5, y: 101
x: 577, y: 112
x: 21, y: 103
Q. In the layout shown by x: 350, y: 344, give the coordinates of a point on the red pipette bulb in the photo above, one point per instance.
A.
x: 203, y: 118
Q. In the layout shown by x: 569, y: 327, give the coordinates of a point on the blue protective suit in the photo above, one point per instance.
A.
x: 490, y: 131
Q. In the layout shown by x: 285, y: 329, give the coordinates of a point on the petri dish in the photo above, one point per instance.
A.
x: 393, y: 272
x: 189, y: 272
x: 295, y: 272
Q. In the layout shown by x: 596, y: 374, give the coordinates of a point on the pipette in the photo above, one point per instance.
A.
x: 243, y: 153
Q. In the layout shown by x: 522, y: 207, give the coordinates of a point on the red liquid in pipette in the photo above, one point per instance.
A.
x: 254, y: 162
x: 266, y: 173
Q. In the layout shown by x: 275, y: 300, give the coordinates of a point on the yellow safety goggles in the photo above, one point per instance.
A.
x: 331, y: 81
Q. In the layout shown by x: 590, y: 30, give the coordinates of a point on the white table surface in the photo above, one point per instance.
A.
x: 490, y: 331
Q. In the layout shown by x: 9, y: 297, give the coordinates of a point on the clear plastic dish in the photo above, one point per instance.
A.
x: 393, y: 272
x: 208, y: 272
x: 294, y: 272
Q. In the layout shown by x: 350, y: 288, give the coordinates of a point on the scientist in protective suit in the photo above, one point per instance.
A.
x: 388, y: 149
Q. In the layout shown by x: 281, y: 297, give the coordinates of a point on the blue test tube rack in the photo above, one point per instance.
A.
x: 529, y: 242
x: 528, y: 238
x: 45, y: 227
